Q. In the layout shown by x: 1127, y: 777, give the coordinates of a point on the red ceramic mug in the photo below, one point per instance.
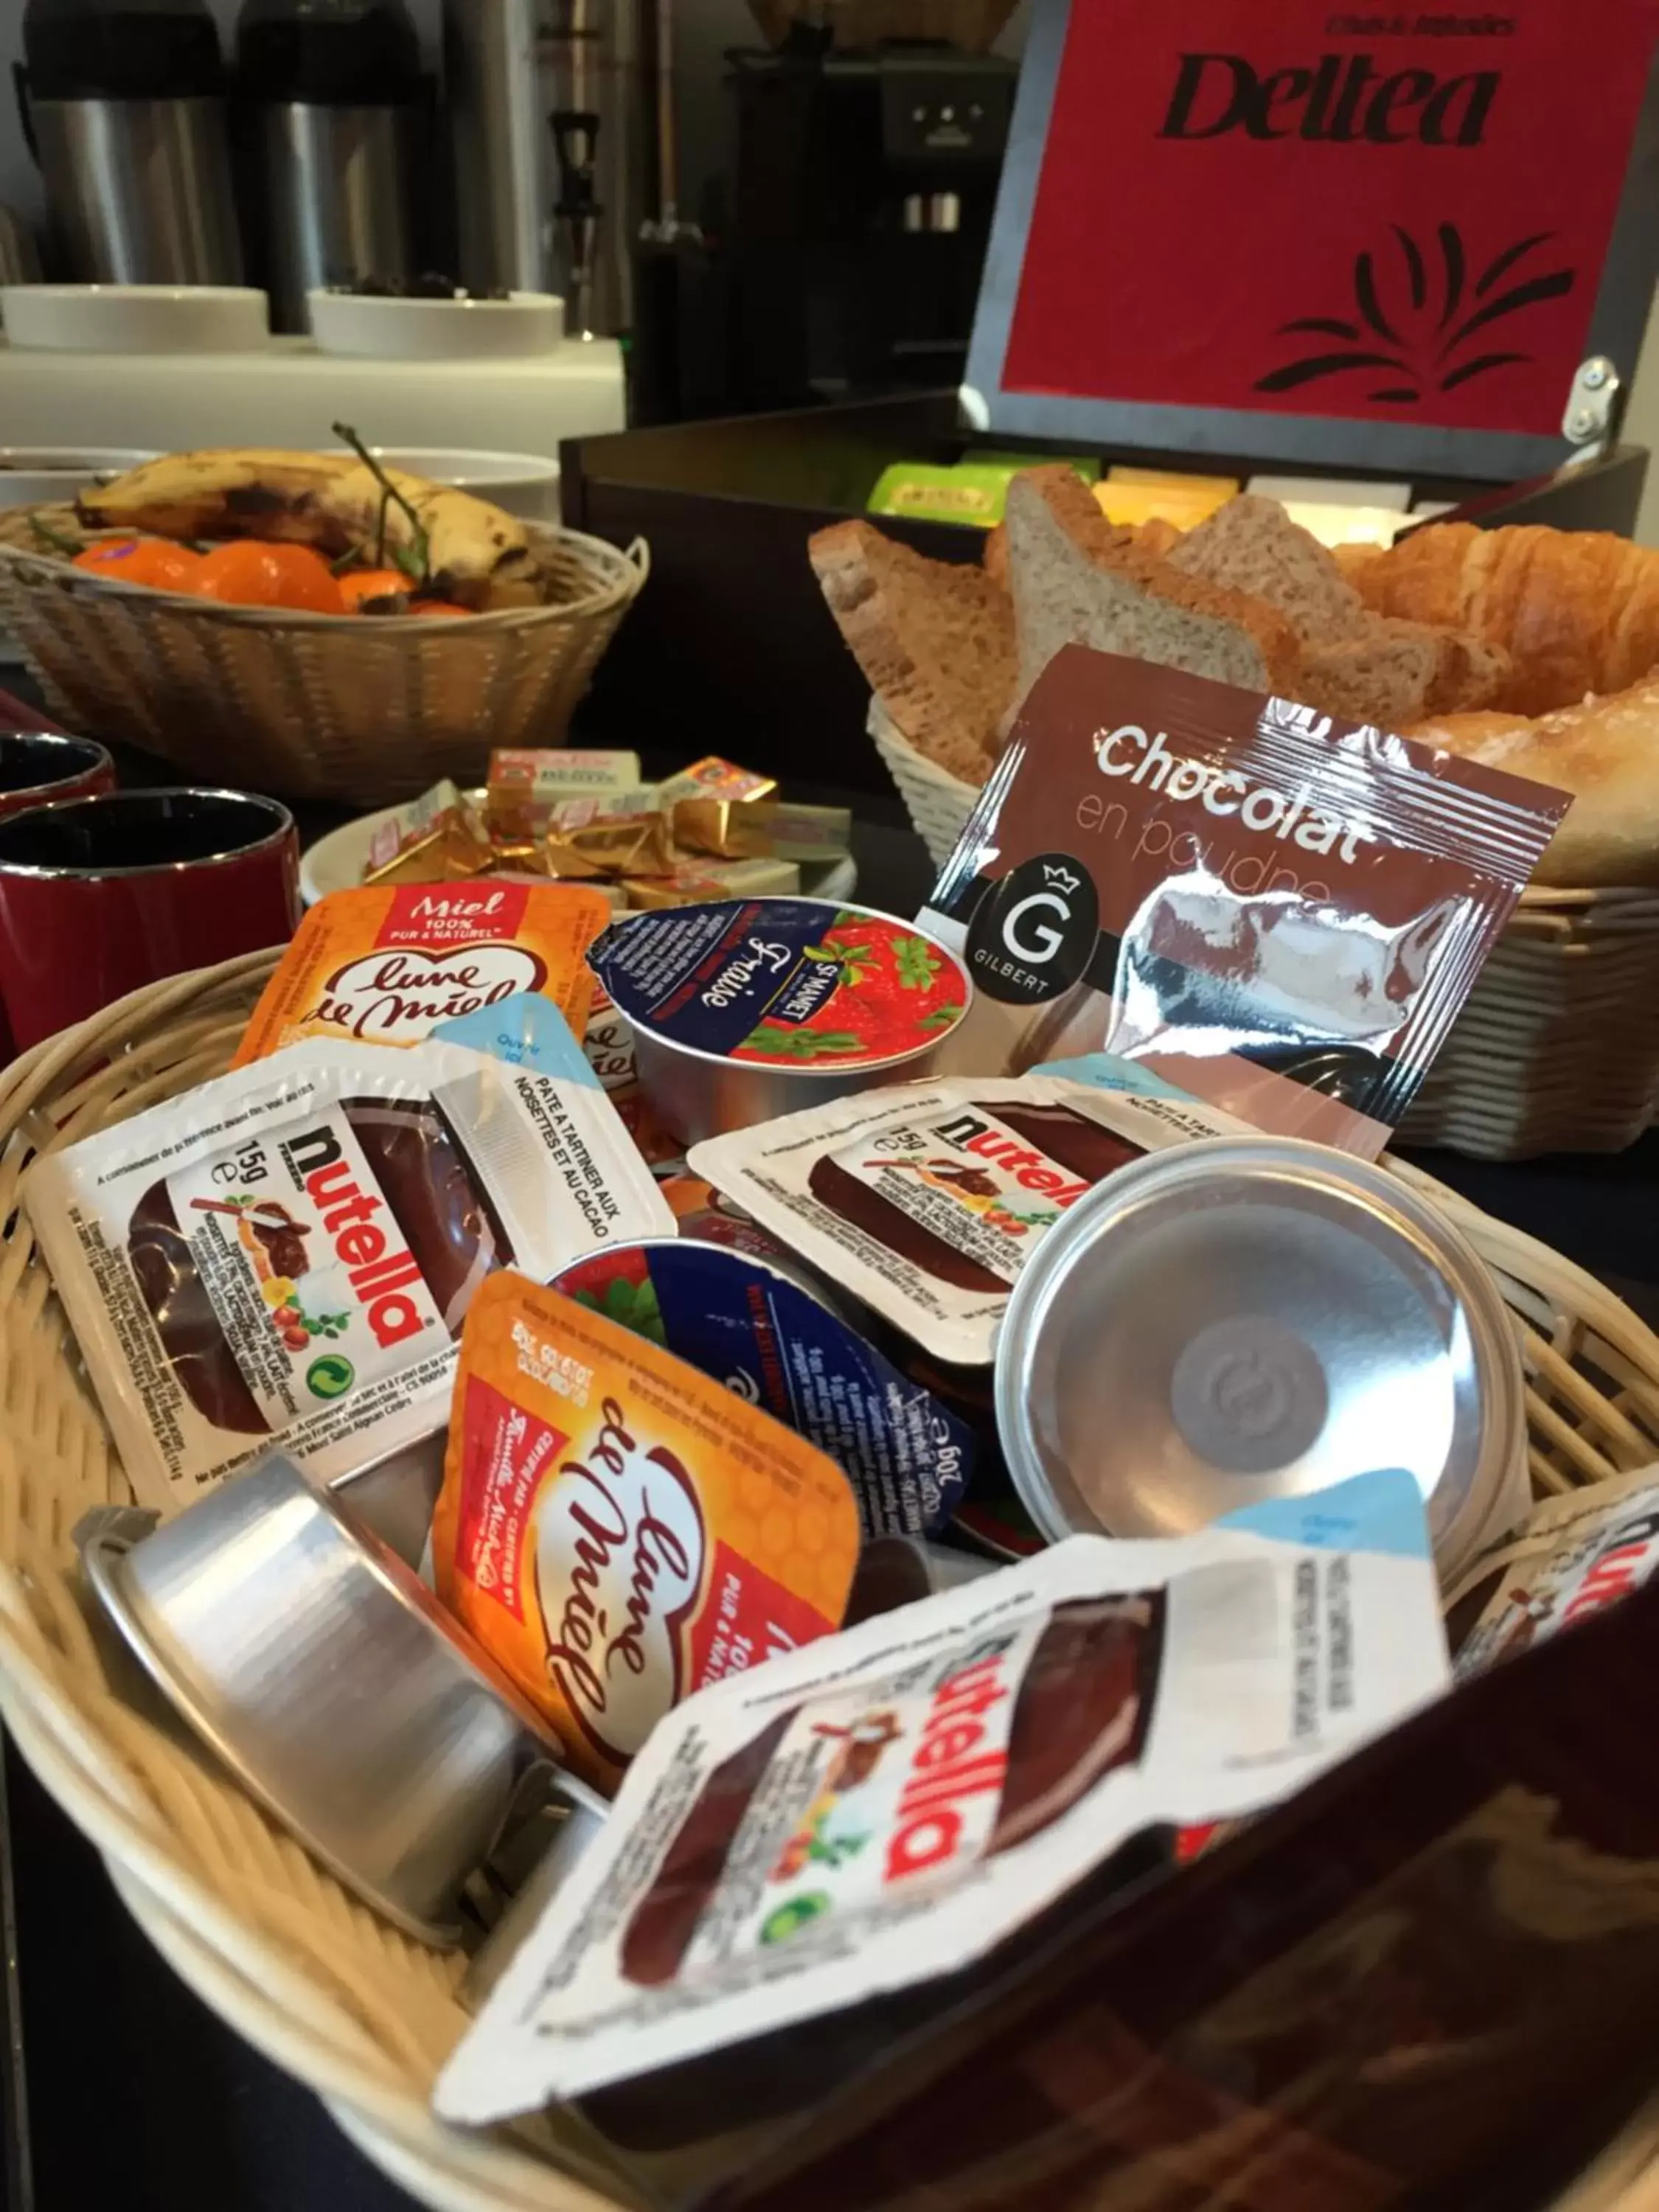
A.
x: 39, y: 767
x: 98, y: 895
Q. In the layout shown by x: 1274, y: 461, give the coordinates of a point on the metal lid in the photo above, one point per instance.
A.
x: 1248, y: 1318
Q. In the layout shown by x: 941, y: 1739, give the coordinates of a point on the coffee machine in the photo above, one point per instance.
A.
x: 863, y: 189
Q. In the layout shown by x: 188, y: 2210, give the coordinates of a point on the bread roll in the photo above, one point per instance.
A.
x: 1606, y: 753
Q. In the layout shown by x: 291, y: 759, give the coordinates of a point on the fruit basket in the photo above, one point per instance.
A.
x: 368, y: 710
x: 362, y: 2015
x: 1558, y: 1047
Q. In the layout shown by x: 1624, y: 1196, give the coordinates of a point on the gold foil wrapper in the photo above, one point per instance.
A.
x: 523, y: 856
x: 435, y: 839
x: 683, y: 889
x: 524, y: 783
x: 725, y: 829
x: 637, y: 845
x: 715, y: 778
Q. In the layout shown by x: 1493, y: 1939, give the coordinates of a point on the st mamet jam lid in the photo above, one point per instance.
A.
x: 1421, y: 240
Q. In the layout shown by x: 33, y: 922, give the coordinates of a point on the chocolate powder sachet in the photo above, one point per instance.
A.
x: 1245, y: 899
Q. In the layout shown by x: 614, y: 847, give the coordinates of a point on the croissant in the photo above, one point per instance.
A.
x: 1576, y: 611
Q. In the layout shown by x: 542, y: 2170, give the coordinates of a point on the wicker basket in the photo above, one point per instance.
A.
x: 1558, y: 1048
x: 361, y: 2013
x: 367, y: 711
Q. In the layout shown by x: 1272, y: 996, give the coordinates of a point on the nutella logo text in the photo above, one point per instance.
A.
x: 1145, y: 758
x: 619, y: 1564
x: 1624, y: 1563
x: 961, y: 1756
x: 1023, y: 1165
x: 384, y: 1275
x: 395, y: 996
x: 1339, y: 100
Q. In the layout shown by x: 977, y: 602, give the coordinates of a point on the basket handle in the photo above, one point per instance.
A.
x: 640, y: 554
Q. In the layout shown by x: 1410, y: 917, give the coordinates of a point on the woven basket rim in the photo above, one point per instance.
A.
x: 628, y: 568
x: 263, y: 1963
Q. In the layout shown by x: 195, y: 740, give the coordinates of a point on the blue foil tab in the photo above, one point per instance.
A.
x: 526, y: 1030
x: 908, y: 1458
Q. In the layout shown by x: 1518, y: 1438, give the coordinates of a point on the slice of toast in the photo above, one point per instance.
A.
x: 1365, y: 666
x: 935, y: 639
x: 1251, y: 544
x: 1077, y: 580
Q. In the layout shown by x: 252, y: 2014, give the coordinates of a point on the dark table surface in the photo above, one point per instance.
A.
x: 137, y: 2095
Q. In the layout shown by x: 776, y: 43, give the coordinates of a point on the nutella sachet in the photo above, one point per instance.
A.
x: 926, y: 1201
x: 1571, y: 1557
x: 1269, y: 907
x: 290, y: 1251
x: 894, y: 1801
x: 617, y: 1530
x: 387, y: 965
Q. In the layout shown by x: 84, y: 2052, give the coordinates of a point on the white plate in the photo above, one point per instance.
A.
x: 135, y: 318
x: 29, y: 474
x: 437, y: 330
x: 336, y: 863
x: 523, y: 483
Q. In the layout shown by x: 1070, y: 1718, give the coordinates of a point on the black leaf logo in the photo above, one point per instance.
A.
x: 1415, y: 315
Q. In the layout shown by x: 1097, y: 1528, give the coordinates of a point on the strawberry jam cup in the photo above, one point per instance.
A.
x: 745, y: 1009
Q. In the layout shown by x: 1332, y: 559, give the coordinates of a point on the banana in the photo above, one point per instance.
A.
x: 477, y: 554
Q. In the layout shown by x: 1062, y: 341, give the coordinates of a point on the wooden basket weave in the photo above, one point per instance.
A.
x: 1558, y: 1048
x: 369, y: 711
x: 315, y: 1980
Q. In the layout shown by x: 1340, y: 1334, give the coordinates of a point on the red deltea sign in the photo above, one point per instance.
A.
x: 1389, y: 214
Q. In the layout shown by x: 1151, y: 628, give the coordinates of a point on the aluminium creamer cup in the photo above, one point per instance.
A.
x: 1246, y: 1320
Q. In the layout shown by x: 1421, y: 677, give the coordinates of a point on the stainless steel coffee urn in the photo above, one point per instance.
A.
x: 122, y: 106
x: 335, y: 98
x: 549, y: 108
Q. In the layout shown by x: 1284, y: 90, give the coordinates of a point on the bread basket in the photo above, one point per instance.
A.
x: 366, y: 710
x: 1558, y: 1048
x: 313, y: 1978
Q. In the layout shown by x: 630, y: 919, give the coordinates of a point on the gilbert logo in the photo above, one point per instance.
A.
x: 1338, y: 99
x: 395, y: 997
x: 619, y: 1563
